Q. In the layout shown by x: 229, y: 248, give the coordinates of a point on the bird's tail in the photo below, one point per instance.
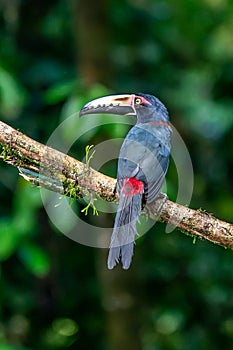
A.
x: 124, y: 231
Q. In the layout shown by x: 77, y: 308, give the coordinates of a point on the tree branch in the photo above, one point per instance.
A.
x: 46, y: 167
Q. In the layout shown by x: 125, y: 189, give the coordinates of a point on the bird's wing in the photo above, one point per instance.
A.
x: 145, y: 155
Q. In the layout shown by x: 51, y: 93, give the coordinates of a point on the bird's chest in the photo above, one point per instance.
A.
x: 140, y: 150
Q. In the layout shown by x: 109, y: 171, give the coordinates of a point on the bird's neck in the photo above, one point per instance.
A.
x: 153, y: 118
x: 166, y: 124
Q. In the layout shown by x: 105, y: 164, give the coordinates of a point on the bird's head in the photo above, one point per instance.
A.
x: 146, y: 108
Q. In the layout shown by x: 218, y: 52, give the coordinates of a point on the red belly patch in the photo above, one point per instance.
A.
x: 132, y: 186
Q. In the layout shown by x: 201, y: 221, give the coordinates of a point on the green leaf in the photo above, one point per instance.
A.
x: 12, y: 95
x: 59, y: 92
x: 34, y: 259
x: 8, y: 240
x: 5, y: 346
x: 27, y: 200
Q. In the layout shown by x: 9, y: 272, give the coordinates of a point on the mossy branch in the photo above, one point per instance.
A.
x: 46, y: 167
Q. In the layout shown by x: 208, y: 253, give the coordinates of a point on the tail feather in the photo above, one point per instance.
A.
x: 127, y: 255
x: 124, y: 231
x: 113, y: 257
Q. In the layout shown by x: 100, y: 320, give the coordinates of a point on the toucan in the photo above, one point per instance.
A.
x: 142, y: 164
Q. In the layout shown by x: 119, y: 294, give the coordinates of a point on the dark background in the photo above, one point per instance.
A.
x: 57, y: 55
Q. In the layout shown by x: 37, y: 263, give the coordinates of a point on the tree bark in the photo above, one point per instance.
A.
x: 56, y: 171
x: 91, y: 34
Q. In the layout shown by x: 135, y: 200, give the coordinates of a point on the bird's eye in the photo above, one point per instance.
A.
x: 138, y: 101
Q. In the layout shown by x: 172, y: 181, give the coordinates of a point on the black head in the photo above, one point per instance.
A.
x: 150, y: 108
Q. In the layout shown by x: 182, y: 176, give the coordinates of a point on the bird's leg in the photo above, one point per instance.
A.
x: 157, y: 206
x: 162, y: 199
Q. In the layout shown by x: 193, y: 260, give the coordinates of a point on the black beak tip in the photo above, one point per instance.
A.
x: 83, y: 111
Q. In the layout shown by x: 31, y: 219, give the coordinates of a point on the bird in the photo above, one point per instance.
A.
x: 142, y: 164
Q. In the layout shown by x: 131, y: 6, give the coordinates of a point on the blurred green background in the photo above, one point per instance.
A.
x: 55, y: 56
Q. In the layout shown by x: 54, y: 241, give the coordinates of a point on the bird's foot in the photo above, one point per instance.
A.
x: 155, y: 207
x: 162, y: 199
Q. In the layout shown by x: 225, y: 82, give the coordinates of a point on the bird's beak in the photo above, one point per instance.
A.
x: 114, y: 104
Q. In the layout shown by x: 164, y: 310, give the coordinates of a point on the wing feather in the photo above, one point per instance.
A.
x: 145, y: 155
